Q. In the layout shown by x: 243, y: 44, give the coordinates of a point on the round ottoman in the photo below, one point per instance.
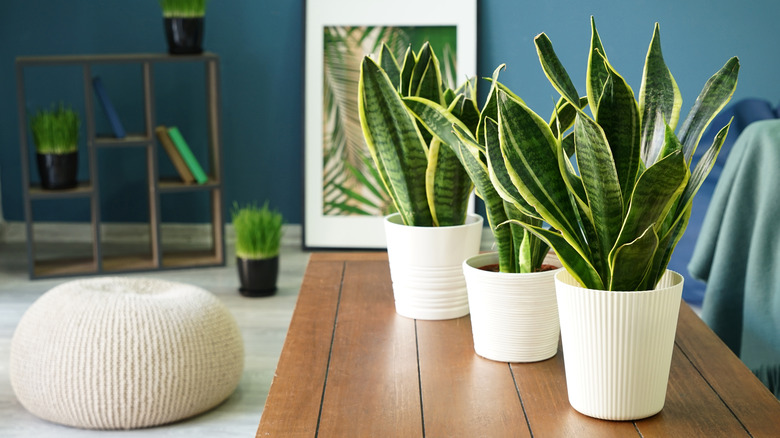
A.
x: 124, y: 353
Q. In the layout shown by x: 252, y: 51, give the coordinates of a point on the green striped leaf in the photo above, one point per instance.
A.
x: 554, y: 70
x: 389, y: 64
x: 600, y: 180
x: 659, y: 187
x: 490, y: 108
x: 704, y: 166
x: 498, y: 174
x: 632, y: 261
x: 597, y: 73
x: 426, y: 76
x: 406, y: 72
x: 435, y: 118
x: 618, y: 116
x: 563, y: 117
x: 531, y: 250
x: 570, y: 177
x: 447, y: 185
x: 528, y: 146
x: 395, y: 143
x: 574, y: 261
x: 659, y: 101
x: 713, y: 97
x: 494, y: 205
x: 466, y: 110
x: 663, y: 254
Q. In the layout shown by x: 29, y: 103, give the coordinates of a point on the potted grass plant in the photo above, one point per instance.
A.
x: 616, y: 218
x: 514, y: 314
x: 183, y: 21
x: 56, y: 133
x: 258, y: 238
x: 432, y: 233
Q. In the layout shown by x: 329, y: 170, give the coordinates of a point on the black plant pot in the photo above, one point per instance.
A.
x: 184, y: 35
x: 58, y: 171
x: 258, y: 277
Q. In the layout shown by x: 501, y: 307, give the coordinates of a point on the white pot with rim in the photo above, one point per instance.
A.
x: 514, y: 317
x: 617, y: 346
x: 425, y: 266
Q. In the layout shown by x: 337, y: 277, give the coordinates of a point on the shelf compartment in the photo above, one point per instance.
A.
x: 83, y: 189
x: 64, y: 268
x: 129, y: 263
x: 64, y: 260
x: 182, y: 259
x: 131, y: 140
x: 155, y: 254
x: 170, y: 186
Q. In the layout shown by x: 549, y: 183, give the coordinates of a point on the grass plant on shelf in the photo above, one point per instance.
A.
x: 258, y: 231
x: 56, y: 131
x: 183, y: 8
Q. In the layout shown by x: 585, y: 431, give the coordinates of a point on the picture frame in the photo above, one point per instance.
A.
x: 335, y: 215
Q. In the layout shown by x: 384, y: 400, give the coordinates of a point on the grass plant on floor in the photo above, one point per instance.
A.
x: 258, y: 231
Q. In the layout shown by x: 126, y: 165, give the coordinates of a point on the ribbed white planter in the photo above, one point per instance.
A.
x: 617, y: 346
x: 514, y: 317
x: 425, y: 266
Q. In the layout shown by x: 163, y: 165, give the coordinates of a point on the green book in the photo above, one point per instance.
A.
x: 186, y: 154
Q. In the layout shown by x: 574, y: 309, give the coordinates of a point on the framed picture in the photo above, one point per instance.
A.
x: 345, y: 201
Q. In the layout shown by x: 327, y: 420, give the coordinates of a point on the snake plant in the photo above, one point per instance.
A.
x: 519, y: 251
x: 422, y: 174
x: 618, y: 218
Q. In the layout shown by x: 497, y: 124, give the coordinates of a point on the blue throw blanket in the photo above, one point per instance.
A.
x: 738, y: 250
x: 744, y: 112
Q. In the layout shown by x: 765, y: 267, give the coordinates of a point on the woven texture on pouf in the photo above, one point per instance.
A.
x: 125, y: 353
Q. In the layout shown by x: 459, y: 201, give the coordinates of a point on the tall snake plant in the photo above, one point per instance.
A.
x: 519, y: 251
x: 422, y: 174
x: 618, y: 219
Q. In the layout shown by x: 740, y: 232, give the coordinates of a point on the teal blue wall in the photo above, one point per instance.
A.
x: 260, y: 44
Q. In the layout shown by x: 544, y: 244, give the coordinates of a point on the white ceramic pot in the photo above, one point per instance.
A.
x: 514, y: 317
x: 425, y: 266
x: 617, y: 346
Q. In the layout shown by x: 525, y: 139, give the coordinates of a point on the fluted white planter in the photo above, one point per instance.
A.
x: 425, y: 266
x: 514, y: 317
x: 617, y: 346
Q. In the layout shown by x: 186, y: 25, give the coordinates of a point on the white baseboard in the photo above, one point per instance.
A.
x: 172, y: 234
x: 81, y: 232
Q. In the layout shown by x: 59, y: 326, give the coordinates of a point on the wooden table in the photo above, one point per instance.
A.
x: 352, y: 367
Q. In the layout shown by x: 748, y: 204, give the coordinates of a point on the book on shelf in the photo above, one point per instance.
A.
x: 187, y: 155
x: 173, y: 154
x: 108, y: 108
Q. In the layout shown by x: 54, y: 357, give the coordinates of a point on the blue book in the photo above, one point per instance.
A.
x: 108, y: 108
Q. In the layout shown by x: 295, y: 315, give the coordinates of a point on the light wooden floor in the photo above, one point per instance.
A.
x: 263, y: 323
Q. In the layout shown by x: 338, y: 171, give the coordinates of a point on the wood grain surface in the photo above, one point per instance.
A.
x: 351, y: 366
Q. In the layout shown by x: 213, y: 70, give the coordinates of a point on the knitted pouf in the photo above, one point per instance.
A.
x: 124, y: 353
